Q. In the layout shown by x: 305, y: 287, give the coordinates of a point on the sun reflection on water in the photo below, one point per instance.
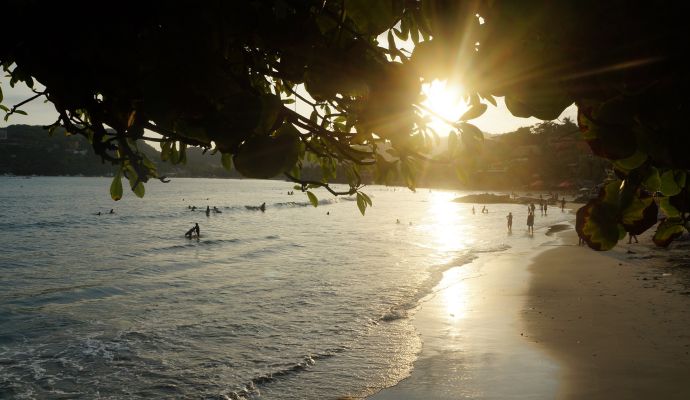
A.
x: 447, y: 227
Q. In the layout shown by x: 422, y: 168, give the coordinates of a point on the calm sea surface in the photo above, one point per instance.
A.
x: 294, y: 303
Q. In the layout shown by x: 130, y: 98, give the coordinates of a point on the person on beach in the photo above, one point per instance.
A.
x: 509, y: 217
x: 541, y: 207
x: 472, y: 210
x: 208, y: 211
x: 530, y: 223
x: 563, y: 204
x: 546, y: 208
x: 111, y: 211
x: 632, y: 237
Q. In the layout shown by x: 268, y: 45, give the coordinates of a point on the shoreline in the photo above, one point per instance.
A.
x: 473, y: 334
x: 562, y: 322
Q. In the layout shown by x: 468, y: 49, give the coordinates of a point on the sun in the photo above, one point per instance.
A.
x: 445, y: 102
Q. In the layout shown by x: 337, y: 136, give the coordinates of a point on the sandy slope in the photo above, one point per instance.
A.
x: 618, y: 322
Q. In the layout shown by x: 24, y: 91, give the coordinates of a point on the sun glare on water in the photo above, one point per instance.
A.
x: 446, y: 102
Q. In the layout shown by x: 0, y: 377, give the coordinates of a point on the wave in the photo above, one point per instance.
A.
x: 251, y: 388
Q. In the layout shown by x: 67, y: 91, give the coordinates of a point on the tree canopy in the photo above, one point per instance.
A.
x: 222, y: 75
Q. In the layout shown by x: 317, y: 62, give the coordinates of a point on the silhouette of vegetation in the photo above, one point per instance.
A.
x: 223, y: 77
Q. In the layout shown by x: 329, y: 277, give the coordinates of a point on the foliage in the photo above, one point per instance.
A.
x: 223, y: 76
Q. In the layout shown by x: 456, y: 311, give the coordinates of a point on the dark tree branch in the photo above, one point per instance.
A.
x: 305, y: 183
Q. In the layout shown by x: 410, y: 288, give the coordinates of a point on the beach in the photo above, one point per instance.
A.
x: 561, y: 322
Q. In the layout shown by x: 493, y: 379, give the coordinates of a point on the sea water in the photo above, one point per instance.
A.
x: 296, y: 302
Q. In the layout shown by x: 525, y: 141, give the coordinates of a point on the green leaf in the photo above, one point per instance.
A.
x: 668, y: 231
x: 640, y: 215
x: 366, y: 198
x: 22, y: 112
x: 3, y: 108
x: 312, y: 199
x: 226, y: 160
x: 668, y: 209
x: 652, y: 180
x: 116, y: 187
x: 297, y: 187
x: 475, y: 111
x: 1, y: 97
x: 598, y: 225
x: 669, y: 186
x: 361, y: 203
x: 139, y: 190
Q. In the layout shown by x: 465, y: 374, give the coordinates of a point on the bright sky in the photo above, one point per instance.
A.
x: 444, y: 101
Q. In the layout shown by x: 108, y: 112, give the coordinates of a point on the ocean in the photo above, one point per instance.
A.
x: 296, y: 302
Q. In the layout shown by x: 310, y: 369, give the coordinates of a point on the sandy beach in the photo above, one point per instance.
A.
x: 618, y: 322
x: 563, y: 322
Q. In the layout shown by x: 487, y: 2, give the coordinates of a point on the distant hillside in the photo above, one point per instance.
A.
x: 30, y: 150
x: 545, y: 156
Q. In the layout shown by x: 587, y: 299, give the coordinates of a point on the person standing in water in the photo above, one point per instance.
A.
x: 509, y: 217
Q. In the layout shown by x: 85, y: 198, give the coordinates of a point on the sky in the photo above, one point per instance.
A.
x: 495, y: 120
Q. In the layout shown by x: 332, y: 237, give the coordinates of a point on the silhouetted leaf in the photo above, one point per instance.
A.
x: 632, y: 162
x: 226, y: 161
x: 475, y: 111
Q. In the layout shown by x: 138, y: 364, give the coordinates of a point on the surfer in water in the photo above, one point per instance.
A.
x: 192, y: 231
x: 262, y: 207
